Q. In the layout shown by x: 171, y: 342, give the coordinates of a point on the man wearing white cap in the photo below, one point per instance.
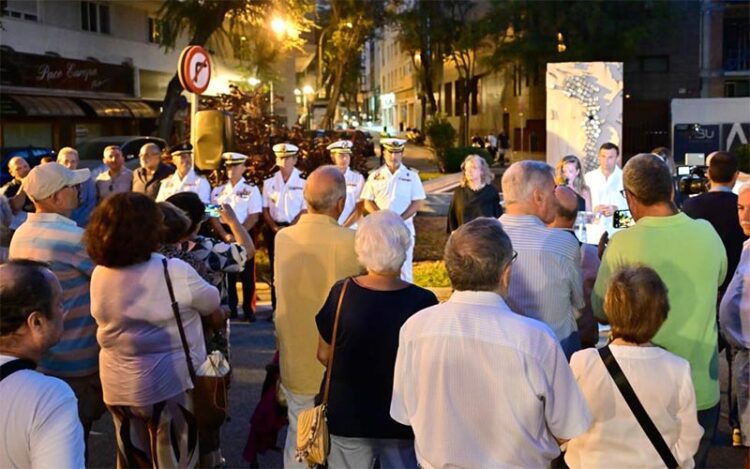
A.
x: 283, y: 199
x: 50, y: 236
x: 184, y: 179
x: 245, y: 200
x: 341, y: 154
x: 395, y: 187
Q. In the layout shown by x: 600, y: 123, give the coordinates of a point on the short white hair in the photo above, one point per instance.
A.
x: 64, y: 151
x: 522, y: 177
x: 381, y: 242
x: 743, y: 188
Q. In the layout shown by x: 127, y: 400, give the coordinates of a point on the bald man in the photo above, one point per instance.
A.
x: 147, y: 179
x: 311, y: 256
x: 68, y: 157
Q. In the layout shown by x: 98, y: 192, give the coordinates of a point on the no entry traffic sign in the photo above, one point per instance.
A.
x: 194, y: 69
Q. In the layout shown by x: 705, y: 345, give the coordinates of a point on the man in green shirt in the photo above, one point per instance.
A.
x: 690, y: 258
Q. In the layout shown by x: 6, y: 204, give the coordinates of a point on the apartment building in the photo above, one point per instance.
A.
x: 73, y: 70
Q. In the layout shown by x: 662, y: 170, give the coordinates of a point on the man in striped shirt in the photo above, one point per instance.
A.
x: 50, y: 236
x: 546, y: 282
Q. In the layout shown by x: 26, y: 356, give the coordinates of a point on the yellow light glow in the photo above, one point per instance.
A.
x: 253, y: 81
x: 308, y: 89
x: 278, y: 26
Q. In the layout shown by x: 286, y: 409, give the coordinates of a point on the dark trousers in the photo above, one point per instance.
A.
x: 247, y: 277
x: 269, y: 236
x: 708, y: 419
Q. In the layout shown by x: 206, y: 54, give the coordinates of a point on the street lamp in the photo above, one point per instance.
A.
x: 306, y: 91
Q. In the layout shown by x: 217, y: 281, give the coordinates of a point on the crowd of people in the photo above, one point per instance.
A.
x: 114, y: 292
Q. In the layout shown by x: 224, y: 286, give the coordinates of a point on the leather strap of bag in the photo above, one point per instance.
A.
x: 329, y: 368
x: 637, y: 408
x: 16, y: 365
x: 176, y: 311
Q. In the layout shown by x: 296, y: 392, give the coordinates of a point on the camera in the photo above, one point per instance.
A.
x: 692, y: 180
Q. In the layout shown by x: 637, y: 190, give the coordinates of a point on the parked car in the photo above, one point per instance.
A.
x: 91, y: 151
x: 32, y: 155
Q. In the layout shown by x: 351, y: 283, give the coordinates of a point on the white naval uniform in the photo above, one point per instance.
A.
x: 191, y: 183
x: 284, y: 200
x: 354, y: 183
x: 396, y: 192
x: 244, y: 198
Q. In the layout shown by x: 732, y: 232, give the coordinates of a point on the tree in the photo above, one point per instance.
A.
x: 422, y: 34
x: 214, y: 20
x: 347, y: 25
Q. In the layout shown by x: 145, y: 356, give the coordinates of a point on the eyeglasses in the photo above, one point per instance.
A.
x: 623, y: 193
x: 513, y: 257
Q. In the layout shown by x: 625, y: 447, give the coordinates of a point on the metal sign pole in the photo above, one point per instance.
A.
x: 193, y: 113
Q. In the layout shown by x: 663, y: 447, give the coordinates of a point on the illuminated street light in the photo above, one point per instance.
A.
x: 278, y: 26
x: 308, y: 89
x: 252, y: 81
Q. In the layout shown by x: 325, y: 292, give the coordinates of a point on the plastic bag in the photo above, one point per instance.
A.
x: 216, y: 365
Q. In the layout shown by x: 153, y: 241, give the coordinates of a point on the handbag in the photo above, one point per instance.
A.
x: 210, y: 394
x: 637, y: 408
x: 313, y: 441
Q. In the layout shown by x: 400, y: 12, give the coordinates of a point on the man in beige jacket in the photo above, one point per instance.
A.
x: 310, y: 257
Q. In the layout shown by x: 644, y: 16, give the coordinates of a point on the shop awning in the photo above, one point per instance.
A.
x: 121, y: 108
x: 47, y: 106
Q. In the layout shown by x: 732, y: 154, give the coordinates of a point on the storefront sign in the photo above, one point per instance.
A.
x: 42, y: 71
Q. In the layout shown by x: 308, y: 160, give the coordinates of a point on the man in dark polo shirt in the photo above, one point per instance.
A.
x: 147, y: 178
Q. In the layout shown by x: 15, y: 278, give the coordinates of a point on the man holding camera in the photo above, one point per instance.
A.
x: 719, y: 207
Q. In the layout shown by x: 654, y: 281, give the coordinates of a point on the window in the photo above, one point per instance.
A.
x: 737, y: 88
x: 736, y: 44
x: 448, y: 98
x: 154, y: 30
x: 95, y: 17
x: 460, y: 98
x: 21, y: 9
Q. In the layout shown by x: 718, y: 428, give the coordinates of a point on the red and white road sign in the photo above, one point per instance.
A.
x: 194, y: 69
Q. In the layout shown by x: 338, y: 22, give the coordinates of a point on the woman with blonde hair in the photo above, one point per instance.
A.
x: 474, y: 197
x: 568, y: 172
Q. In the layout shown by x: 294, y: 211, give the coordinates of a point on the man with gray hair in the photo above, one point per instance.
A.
x: 499, y: 381
x: 691, y: 260
x: 147, y: 178
x: 311, y: 256
x: 68, y: 157
x: 547, y: 283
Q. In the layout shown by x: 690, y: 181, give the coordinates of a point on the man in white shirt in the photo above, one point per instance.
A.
x: 341, y: 154
x: 395, y: 187
x: 184, y: 179
x: 39, y: 414
x: 480, y: 385
x: 117, y: 178
x: 283, y: 200
x: 605, y: 183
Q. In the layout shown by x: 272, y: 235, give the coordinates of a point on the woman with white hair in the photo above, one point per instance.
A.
x: 474, y: 197
x: 373, y: 309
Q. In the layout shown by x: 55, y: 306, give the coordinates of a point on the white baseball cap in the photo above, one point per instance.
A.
x: 48, y: 178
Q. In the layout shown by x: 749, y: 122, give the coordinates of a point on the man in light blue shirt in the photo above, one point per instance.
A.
x: 546, y: 282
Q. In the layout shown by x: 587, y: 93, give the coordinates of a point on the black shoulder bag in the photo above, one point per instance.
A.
x: 16, y: 365
x: 635, y: 406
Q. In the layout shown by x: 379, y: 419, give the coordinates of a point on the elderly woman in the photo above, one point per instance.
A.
x: 374, y: 308
x: 636, y: 304
x: 474, y: 197
x: 144, y: 370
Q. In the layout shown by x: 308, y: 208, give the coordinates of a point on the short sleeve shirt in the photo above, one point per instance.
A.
x: 284, y: 200
x: 190, y: 183
x: 394, y: 191
x: 354, y: 184
x: 366, y: 345
x: 244, y: 198
x: 107, y: 185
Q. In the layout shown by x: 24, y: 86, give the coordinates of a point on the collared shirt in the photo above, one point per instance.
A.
x: 55, y: 239
x: 546, y: 282
x: 482, y: 386
x: 244, y: 198
x: 190, y: 183
x: 107, y: 185
x: 354, y: 184
x: 149, y: 186
x: 86, y: 203
x: 43, y: 413
x: 691, y: 260
x: 734, y: 313
x: 284, y: 200
x: 311, y: 256
x: 606, y: 191
x: 394, y: 191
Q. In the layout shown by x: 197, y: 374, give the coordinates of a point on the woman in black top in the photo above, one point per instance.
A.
x: 475, y: 197
x: 374, y: 308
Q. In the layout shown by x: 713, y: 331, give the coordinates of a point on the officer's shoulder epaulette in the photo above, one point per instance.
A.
x: 303, y: 176
x: 269, y: 176
x: 413, y: 170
